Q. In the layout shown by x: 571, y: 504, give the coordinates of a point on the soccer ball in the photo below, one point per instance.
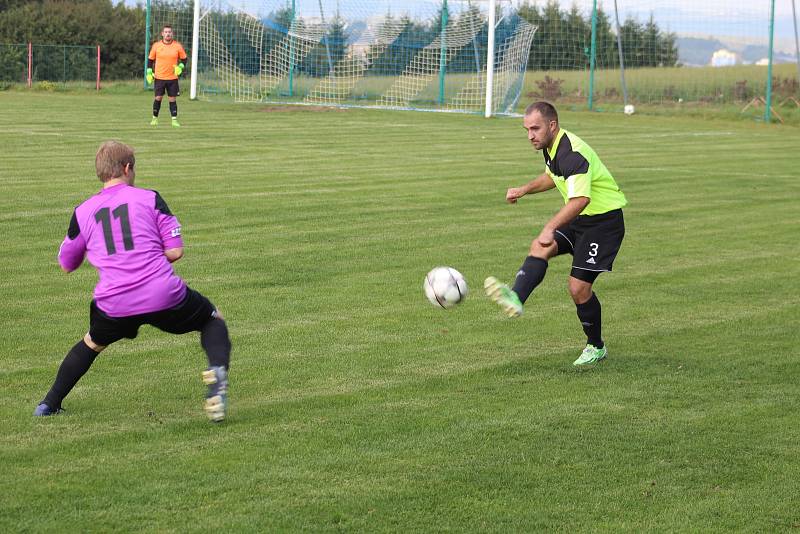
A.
x: 629, y: 109
x: 445, y: 287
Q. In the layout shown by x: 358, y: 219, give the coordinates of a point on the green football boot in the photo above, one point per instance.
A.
x: 175, y: 123
x: 590, y: 355
x: 503, y: 296
x: 154, y: 121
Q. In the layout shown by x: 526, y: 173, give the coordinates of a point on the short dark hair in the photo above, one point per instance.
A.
x: 111, y: 159
x: 165, y: 26
x: 545, y: 109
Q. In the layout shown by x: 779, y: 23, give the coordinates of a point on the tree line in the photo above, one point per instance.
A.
x: 118, y: 29
x: 561, y: 42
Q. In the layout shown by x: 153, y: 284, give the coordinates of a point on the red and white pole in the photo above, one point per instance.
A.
x: 30, y: 62
x: 97, y: 84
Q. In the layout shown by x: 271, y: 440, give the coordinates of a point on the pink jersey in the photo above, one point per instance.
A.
x: 123, y: 231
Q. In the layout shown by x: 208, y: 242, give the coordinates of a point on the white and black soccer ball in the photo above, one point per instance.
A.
x: 445, y: 287
x: 629, y: 109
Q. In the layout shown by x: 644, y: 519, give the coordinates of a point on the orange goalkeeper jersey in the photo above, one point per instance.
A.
x: 166, y: 57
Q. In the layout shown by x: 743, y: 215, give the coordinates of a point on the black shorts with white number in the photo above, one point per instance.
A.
x: 171, y: 87
x: 593, y: 241
x: 190, y: 315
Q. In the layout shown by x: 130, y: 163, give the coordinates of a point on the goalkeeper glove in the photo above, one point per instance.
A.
x: 178, y: 69
x: 150, y: 76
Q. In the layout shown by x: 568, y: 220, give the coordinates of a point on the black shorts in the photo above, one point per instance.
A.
x: 171, y: 87
x: 593, y: 241
x: 191, y: 315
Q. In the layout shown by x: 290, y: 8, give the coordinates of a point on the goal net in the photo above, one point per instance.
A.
x: 402, y: 54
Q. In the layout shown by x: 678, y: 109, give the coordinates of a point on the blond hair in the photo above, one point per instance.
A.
x: 111, y: 158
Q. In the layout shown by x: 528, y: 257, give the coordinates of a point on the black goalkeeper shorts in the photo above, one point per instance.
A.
x: 170, y: 86
x: 190, y: 315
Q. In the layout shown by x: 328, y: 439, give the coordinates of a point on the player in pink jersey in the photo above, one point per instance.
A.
x: 130, y: 236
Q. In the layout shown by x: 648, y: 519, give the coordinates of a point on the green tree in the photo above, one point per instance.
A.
x: 118, y: 30
x: 331, y: 49
x: 10, y: 4
x: 605, y: 42
x: 472, y: 57
x: 410, y: 42
x: 667, y: 50
x: 563, y: 40
x: 632, y: 43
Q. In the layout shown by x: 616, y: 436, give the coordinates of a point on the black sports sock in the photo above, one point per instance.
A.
x: 156, y: 107
x: 216, y: 342
x: 75, y: 364
x: 529, y: 276
x: 173, y: 109
x: 590, y: 317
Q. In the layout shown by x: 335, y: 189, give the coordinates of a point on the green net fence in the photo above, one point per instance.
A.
x: 675, y: 53
x: 431, y: 54
x: 40, y: 63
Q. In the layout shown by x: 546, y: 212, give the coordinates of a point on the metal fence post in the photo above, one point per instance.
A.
x: 593, y: 53
x: 291, y: 50
x: 768, y: 110
x: 796, y: 40
x: 30, y: 62
x: 443, y: 52
x: 146, y: 42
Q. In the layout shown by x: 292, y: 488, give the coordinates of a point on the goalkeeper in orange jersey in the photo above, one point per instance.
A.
x: 166, y: 62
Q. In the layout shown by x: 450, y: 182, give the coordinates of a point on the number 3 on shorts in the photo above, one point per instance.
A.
x: 593, y: 249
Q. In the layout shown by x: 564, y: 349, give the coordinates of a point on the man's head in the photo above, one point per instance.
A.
x: 166, y: 34
x: 541, y: 121
x: 115, y: 160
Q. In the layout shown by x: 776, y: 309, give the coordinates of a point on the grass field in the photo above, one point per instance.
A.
x: 356, y: 405
x: 701, y: 92
x: 687, y: 91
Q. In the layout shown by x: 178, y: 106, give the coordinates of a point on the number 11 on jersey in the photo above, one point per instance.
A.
x: 103, y: 216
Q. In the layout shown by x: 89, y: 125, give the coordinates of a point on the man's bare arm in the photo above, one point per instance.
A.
x: 566, y: 214
x: 541, y: 183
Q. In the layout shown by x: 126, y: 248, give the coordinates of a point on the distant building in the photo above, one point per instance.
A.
x: 724, y: 58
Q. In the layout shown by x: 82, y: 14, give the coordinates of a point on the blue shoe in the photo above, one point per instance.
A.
x: 43, y: 410
x: 216, y: 378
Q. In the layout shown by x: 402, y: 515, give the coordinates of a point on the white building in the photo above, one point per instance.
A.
x: 724, y: 58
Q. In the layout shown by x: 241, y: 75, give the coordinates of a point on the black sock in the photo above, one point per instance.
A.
x: 589, y: 315
x: 77, y: 362
x: 156, y: 107
x: 529, y: 276
x: 173, y: 109
x: 216, y: 342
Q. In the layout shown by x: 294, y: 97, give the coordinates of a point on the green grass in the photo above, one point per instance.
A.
x: 702, y: 92
x: 357, y: 406
x: 705, y: 92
